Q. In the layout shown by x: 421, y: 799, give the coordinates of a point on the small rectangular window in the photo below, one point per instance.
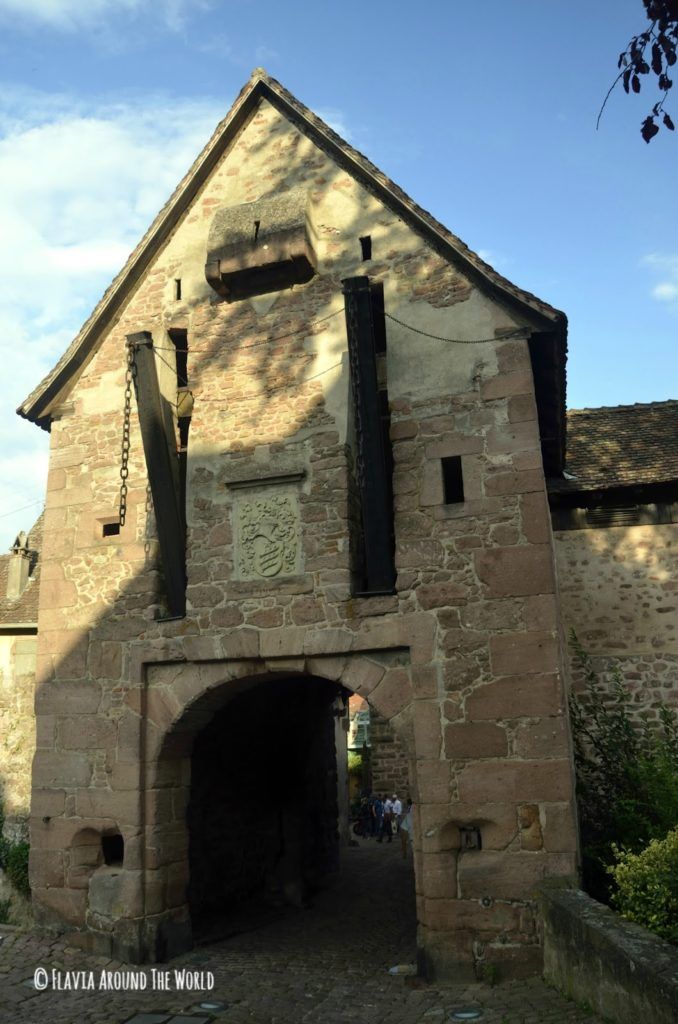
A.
x: 177, y: 288
x: 111, y: 529
x: 366, y: 247
x: 453, y: 481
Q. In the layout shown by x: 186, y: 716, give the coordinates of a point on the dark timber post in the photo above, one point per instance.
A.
x: 370, y: 457
x: 160, y: 448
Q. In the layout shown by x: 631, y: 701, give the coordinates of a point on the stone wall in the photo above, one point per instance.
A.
x: 17, y: 730
x: 622, y: 971
x: 463, y: 661
x: 388, y: 760
x: 619, y: 592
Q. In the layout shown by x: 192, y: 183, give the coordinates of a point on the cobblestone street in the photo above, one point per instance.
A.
x: 328, y: 964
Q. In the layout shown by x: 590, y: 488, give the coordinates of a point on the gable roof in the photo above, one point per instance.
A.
x: 39, y: 405
x: 23, y: 611
x: 622, y: 445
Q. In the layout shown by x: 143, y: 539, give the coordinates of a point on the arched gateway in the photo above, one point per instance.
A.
x: 323, y: 491
x: 252, y: 769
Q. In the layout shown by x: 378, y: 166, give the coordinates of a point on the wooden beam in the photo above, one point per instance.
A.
x: 156, y: 420
x: 375, y: 503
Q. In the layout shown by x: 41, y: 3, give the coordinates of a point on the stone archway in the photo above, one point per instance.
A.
x: 210, y: 716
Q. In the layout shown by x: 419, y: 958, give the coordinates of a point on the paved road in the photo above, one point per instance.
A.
x: 327, y: 965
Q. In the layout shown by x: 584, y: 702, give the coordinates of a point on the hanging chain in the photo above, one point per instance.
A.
x: 130, y: 375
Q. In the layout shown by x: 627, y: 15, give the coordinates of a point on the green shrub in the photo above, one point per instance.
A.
x: 4, y: 911
x: 647, y: 886
x: 355, y: 763
x: 16, y: 867
x: 627, y: 775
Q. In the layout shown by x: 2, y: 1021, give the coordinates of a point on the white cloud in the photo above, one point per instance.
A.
x: 495, y: 259
x: 336, y: 120
x: 72, y: 15
x: 666, y: 268
x: 79, y: 185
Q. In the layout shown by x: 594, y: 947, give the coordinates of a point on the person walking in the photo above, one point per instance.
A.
x: 377, y: 815
x: 386, y: 827
x: 406, y: 829
x: 397, y: 812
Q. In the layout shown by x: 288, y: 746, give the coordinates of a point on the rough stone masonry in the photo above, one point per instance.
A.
x: 237, y: 297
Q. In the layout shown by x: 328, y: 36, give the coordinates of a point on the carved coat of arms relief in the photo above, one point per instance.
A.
x: 267, y: 530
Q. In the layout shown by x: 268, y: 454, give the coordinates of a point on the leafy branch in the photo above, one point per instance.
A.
x: 654, y: 50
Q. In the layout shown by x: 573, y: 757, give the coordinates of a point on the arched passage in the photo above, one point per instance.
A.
x: 246, y: 786
x: 263, y: 807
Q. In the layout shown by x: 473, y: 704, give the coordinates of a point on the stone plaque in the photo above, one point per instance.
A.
x: 267, y: 531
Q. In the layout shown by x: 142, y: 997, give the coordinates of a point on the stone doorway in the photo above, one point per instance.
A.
x: 255, y: 778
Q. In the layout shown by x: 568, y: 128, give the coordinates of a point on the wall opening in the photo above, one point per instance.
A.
x: 453, y: 480
x: 113, y: 849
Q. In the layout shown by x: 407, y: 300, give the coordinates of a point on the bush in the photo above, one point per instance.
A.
x: 4, y: 911
x: 627, y: 775
x: 14, y: 860
x: 16, y: 867
x: 647, y: 886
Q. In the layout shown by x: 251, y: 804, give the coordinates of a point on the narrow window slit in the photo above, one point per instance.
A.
x: 177, y: 288
x: 453, y: 481
x: 366, y: 247
x: 257, y: 225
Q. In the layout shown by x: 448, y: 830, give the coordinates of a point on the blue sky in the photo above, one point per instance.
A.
x: 484, y: 113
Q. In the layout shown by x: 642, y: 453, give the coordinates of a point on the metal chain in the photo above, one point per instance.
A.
x: 130, y: 375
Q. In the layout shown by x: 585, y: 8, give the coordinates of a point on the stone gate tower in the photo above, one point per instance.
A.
x: 338, y: 422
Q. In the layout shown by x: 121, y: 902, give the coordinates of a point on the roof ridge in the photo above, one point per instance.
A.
x: 622, y: 408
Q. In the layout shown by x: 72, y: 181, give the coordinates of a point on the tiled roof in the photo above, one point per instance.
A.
x: 621, y: 445
x: 23, y: 610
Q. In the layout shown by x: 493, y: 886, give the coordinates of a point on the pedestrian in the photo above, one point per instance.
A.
x: 377, y: 815
x: 406, y: 829
x: 387, y: 824
x: 397, y: 812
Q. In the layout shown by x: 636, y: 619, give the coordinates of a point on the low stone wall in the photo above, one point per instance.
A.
x: 624, y: 972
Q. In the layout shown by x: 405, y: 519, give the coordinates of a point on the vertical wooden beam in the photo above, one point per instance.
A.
x: 156, y: 420
x: 376, y: 507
